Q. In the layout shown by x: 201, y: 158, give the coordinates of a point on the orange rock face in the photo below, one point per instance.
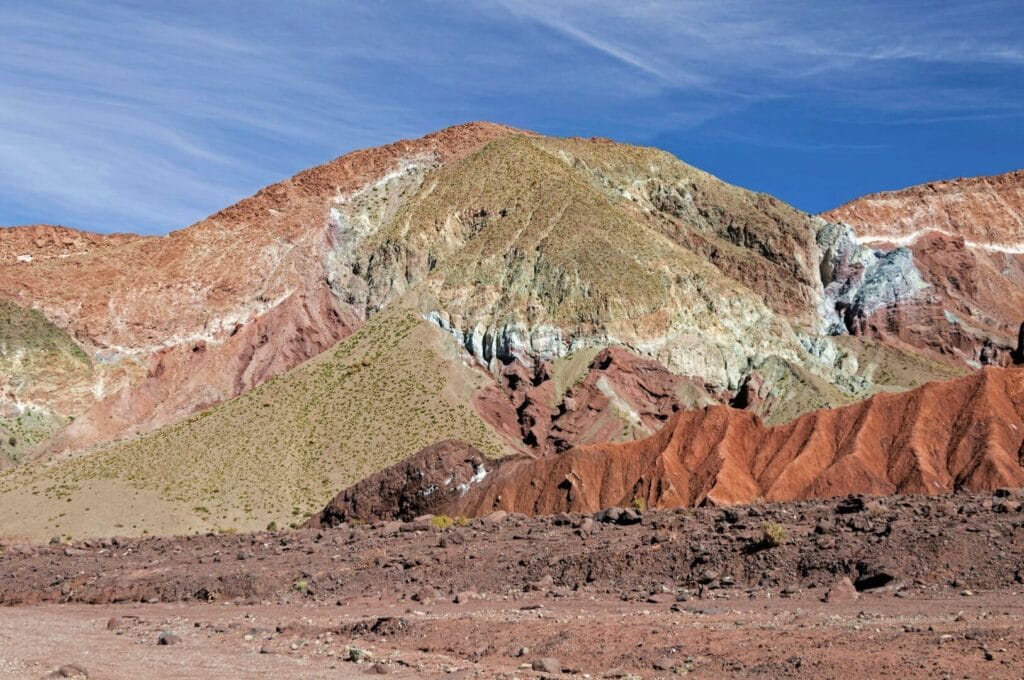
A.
x: 959, y: 434
x: 988, y: 210
x: 967, y: 239
x: 213, y: 309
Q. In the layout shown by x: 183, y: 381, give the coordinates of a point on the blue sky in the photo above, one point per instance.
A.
x: 148, y: 116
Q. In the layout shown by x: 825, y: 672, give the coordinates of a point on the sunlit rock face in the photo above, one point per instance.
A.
x: 966, y: 237
x: 525, y: 250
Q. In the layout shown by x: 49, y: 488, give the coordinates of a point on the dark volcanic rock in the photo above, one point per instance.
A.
x: 417, y: 486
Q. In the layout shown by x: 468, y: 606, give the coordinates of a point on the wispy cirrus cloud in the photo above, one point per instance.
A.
x: 147, y: 116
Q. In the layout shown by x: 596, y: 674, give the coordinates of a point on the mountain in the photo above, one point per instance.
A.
x: 531, y: 294
x: 966, y: 433
x: 967, y: 240
x: 273, y: 454
x: 533, y: 248
x: 208, y: 312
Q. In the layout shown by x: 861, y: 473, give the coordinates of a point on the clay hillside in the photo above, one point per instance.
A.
x: 967, y: 241
x: 546, y: 298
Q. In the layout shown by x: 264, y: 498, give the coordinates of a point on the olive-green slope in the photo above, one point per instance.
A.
x: 519, y: 247
x: 275, y: 454
x: 36, y: 358
x: 756, y: 239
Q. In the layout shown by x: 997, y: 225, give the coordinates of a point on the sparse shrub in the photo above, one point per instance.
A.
x: 301, y: 586
x: 773, y: 534
x: 639, y: 503
x: 272, y: 526
x: 442, y: 522
x: 462, y: 521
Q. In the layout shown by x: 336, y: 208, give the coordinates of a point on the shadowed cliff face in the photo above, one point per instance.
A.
x: 967, y: 239
x: 959, y: 434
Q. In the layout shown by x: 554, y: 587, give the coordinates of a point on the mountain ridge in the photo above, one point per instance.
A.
x: 967, y: 238
x: 965, y: 433
x: 573, y: 291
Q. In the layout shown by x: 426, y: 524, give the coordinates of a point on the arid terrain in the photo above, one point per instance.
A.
x: 912, y: 587
x: 495, y: 404
x: 528, y: 295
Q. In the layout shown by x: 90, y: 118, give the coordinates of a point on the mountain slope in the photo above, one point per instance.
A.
x: 211, y: 310
x: 569, y: 291
x: 528, y: 260
x: 533, y: 247
x: 276, y: 453
x: 964, y: 433
x: 38, y: 362
x: 967, y: 239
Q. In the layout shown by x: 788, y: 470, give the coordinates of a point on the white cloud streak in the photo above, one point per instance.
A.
x: 148, y: 116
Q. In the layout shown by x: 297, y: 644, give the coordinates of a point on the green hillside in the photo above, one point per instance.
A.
x: 277, y: 453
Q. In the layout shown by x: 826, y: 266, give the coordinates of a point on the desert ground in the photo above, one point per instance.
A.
x: 855, y: 587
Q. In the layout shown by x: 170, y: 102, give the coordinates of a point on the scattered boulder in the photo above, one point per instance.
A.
x: 70, y: 670
x: 543, y: 584
x: 622, y: 516
x: 547, y: 665
x: 842, y: 591
x: 496, y: 517
x: 874, y: 576
x: 708, y: 576
x: 424, y: 594
x: 465, y: 596
x: 168, y: 637
x: 850, y: 505
x: 630, y: 516
x: 664, y: 664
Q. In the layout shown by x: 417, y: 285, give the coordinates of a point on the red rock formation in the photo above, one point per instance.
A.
x: 620, y: 391
x: 966, y: 433
x: 413, y: 487
x: 37, y: 242
x: 967, y: 238
x: 980, y: 209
